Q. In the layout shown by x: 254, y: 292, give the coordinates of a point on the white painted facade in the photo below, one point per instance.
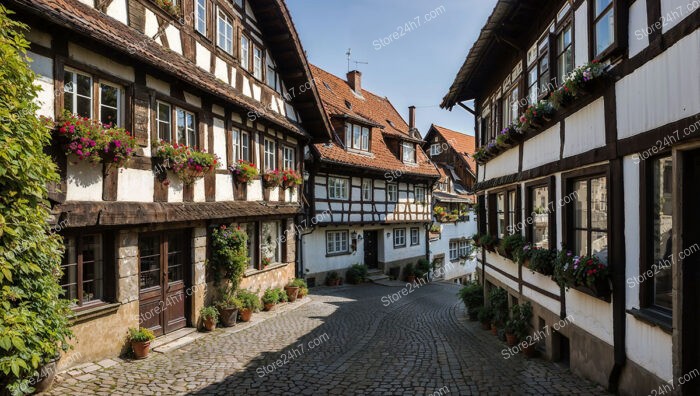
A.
x: 454, y: 233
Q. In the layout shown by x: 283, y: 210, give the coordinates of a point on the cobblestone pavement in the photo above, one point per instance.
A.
x: 344, y: 342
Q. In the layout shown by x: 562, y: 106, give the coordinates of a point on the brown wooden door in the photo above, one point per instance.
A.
x: 371, y: 250
x: 163, y: 265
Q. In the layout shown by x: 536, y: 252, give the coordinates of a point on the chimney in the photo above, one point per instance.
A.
x: 411, y: 117
x: 355, y: 81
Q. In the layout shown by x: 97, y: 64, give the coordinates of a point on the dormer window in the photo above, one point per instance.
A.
x: 356, y: 137
x: 408, y: 152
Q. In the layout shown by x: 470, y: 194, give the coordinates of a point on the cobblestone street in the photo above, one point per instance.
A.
x: 343, y: 342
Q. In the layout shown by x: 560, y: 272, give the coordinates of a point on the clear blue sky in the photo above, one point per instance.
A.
x: 415, y: 69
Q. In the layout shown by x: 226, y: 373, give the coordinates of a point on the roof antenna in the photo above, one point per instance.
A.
x: 349, y: 55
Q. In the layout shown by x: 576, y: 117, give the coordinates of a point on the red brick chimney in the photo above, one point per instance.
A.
x: 411, y: 117
x: 355, y: 81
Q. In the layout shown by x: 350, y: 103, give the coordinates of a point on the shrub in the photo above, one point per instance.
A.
x: 423, y: 265
x: 356, y: 274
x: 332, y: 277
x: 498, y: 300
x: 229, y: 254
x: 209, y: 313
x: 473, y: 295
x: 33, y: 316
x: 249, y: 300
x: 281, y: 296
x: 140, y: 335
x: 271, y: 296
x: 511, y: 244
x: 228, y: 300
x: 485, y: 315
x: 408, y: 270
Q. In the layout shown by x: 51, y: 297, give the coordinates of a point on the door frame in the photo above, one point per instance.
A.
x: 376, y: 247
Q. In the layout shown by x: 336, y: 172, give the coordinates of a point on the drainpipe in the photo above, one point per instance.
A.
x: 617, y: 258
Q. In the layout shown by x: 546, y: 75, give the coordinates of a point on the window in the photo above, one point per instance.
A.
x: 225, y: 32
x: 399, y: 237
x: 435, y: 149
x: 590, y: 217
x: 415, y: 236
x: 245, y: 52
x: 420, y: 195
x: 186, y: 131
x: 538, y: 76
x: 501, y: 215
x: 273, y: 80
x: 257, y: 63
x: 200, y: 16
x: 270, y: 157
x: 463, y: 249
x: 392, y: 193
x: 288, y: 158
x: 511, y: 212
x: 337, y: 242
x: 660, y: 245
x: 252, y: 230
x: 408, y: 151
x: 163, y: 115
x: 454, y: 250
x: 83, y: 269
x: 603, y: 25
x: 270, y: 243
x: 514, y: 107
x: 337, y: 188
x: 367, y: 189
x: 565, y: 53
x: 78, y: 91
x: 236, y: 144
x: 356, y: 137
x: 245, y: 146
x: 539, y: 229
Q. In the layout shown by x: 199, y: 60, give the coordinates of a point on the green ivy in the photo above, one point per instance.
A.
x: 229, y: 254
x: 33, y: 318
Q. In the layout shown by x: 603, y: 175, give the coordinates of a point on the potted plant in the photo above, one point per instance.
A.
x: 510, y: 244
x: 169, y: 6
x: 291, y: 178
x: 229, y: 254
x: 272, y: 178
x: 332, y: 279
x: 488, y: 242
x: 472, y: 294
x: 228, y: 306
x: 281, y: 296
x: 485, y: 316
x: 410, y: 273
x: 188, y: 163
x: 356, y: 274
x: 250, y: 303
x: 141, y: 341
x: 538, y: 260
x: 292, y: 291
x: 515, y: 325
x: 303, y: 287
x: 209, y: 317
x: 498, y: 300
x: 270, y: 299
x: 244, y: 172
x: 440, y: 213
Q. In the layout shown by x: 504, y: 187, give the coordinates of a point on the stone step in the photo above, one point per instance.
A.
x: 175, y: 340
x: 376, y: 276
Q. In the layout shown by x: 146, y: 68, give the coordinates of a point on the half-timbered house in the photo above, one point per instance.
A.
x: 227, y: 76
x: 453, y: 203
x: 608, y: 167
x: 369, y: 186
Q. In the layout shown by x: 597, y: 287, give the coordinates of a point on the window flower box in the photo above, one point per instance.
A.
x: 169, y: 6
x: 291, y: 178
x: 188, y: 163
x: 578, y: 83
x: 244, y: 172
x: 90, y: 140
x: 586, y: 274
x: 272, y: 178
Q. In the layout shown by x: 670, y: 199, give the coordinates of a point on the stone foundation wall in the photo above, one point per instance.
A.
x: 274, y: 276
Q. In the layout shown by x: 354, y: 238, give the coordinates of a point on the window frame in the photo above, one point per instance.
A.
x: 396, y: 233
x: 593, y: 21
x: 544, y: 51
x: 395, y: 188
x: 424, y: 194
x: 335, y: 188
x: 367, y: 191
x: 108, y: 280
x: 195, y: 136
x: 417, y: 235
x: 258, y: 62
x: 341, y: 233
x: 568, y: 179
x: 228, y: 20
x: 288, y: 158
x: 278, y: 239
x: 358, y: 137
x: 96, y: 82
x: 414, y: 150
x: 244, y: 53
x: 455, y: 250
x: 494, y: 215
x: 567, y: 23
x: 173, y: 123
x: 269, y: 157
x: 550, y: 184
x: 198, y: 17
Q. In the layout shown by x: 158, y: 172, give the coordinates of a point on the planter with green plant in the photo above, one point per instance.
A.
x: 498, y: 301
x: 332, y: 279
x: 228, y: 306
x: 244, y: 172
x: 356, y: 274
x: 250, y: 303
x: 485, y: 316
x: 140, y: 340
x: 303, y: 287
x: 270, y: 298
x: 409, y: 273
x: 209, y: 317
x: 537, y: 259
x: 510, y: 244
x: 272, y: 178
x: 291, y: 178
x: 188, y: 163
x: 488, y: 242
x: 586, y: 274
x: 34, y: 313
x: 229, y: 255
x: 472, y: 294
x: 292, y: 291
x: 423, y: 267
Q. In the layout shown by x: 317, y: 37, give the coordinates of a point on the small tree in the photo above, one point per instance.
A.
x: 33, y: 317
x: 229, y: 254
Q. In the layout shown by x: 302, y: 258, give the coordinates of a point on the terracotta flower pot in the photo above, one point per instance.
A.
x: 494, y: 329
x: 411, y: 278
x: 292, y: 292
x: 242, y: 179
x: 45, y: 376
x: 269, y: 307
x: 511, y: 339
x: 486, y: 325
x: 228, y: 316
x: 209, y: 324
x: 246, y: 314
x: 141, y: 348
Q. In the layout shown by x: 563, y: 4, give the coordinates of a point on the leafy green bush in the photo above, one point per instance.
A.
x: 511, y: 244
x: 141, y: 334
x: 209, y: 313
x: 271, y: 296
x: 408, y: 270
x: 250, y: 300
x: 485, y: 314
x: 423, y: 265
x: 281, y: 296
x: 33, y: 316
x: 473, y: 295
x: 356, y: 274
x: 229, y: 254
x: 498, y: 300
x: 228, y: 300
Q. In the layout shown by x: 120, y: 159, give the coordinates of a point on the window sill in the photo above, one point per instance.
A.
x: 653, y: 318
x: 83, y: 314
x: 271, y: 267
x: 338, y: 254
x: 399, y: 247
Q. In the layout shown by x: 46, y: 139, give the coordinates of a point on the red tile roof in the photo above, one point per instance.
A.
x: 464, y: 144
x: 336, y: 94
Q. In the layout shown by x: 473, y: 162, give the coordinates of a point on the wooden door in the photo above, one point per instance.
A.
x: 163, y: 266
x: 371, y: 250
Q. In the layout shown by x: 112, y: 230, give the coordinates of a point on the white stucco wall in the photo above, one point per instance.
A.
x: 590, y: 314
x: 84, y: 181
x: 585, y: 129
x: 543, y: 148
x: 135, y: 185
x: 505, y: 164
x: 638, y: 37
x: 581, y: 34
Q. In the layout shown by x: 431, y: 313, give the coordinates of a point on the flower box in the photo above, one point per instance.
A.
x: 188, y: 163
x: 272, y: 179
x: 244, y: 172
x: 600, y: 289
x: 291, y: 179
